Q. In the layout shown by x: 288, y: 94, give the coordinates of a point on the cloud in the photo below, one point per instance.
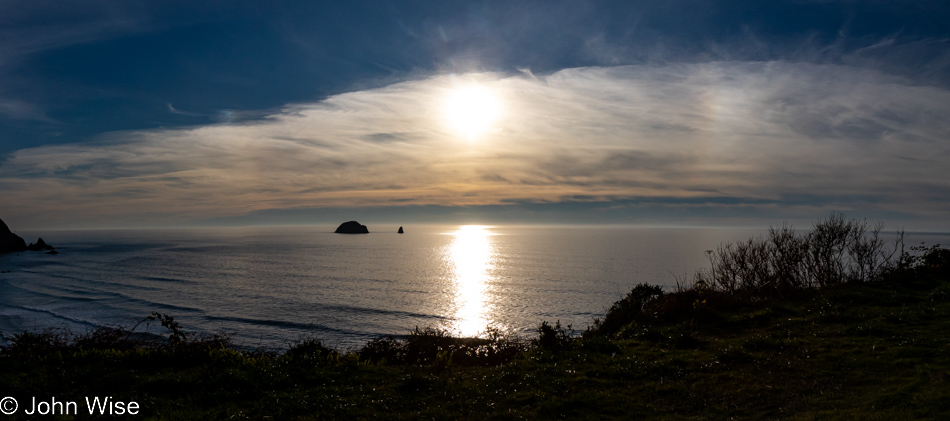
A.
x: 62, y: 24
x: 749, y: 134
x: 174, y: 110
x: 19, y: 110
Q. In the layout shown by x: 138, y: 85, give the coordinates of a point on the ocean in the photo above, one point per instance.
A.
x: 267, y: 287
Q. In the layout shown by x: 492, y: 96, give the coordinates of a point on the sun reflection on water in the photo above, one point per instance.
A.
x: 472, y: 255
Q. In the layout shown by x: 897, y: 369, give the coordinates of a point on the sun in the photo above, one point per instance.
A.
x: 471, y: 110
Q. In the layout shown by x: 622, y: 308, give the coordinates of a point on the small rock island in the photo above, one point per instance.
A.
x: 351, y: 227
x: 40, y: 245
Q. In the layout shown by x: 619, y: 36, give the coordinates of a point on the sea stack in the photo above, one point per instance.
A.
x: 40, y: 245
x: 10, y: 242
x: 351, y: 227
x: 400, y: 230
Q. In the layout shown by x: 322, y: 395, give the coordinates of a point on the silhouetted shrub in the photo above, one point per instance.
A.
x: 177, y: 336
x: 104, y: 338
x: 429, y: 345
x: 925, y: 259
x: 51, y: 340
x: 837, y: 250
x: 180, y: 341
x: 116, y: 338
x: 937, y: 258
x: 553, y: 337
x: 310, y: 351
x: 383, y: 350
x: 784, y: 265
x: 37, y: 343
x: 627, y: 311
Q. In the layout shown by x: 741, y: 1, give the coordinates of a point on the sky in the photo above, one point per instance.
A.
x: 663, y: 113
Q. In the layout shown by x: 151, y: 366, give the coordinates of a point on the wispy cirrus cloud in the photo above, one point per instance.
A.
x: 756, y: 135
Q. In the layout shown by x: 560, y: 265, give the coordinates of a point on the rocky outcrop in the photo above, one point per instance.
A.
x: 10, y: 242
x: 40, y: 246
x: 352, y: 227
x: 400, y: 230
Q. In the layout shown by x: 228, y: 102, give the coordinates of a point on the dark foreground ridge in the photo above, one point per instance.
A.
x: 10, y: 242
x: 351, y: 227
x: 736, y: 343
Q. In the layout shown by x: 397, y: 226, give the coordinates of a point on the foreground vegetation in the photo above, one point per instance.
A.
x: 758, y: 336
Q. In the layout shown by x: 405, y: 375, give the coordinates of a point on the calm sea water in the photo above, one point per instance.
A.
x: 267, y: 287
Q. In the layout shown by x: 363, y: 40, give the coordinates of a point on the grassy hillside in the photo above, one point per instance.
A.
x: 854, y: 349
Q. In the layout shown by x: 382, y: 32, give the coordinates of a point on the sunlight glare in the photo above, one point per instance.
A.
x: 471, y: 110
x: 471, y: 254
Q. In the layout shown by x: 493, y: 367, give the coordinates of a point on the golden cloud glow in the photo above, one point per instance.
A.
x: 814, y: 135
